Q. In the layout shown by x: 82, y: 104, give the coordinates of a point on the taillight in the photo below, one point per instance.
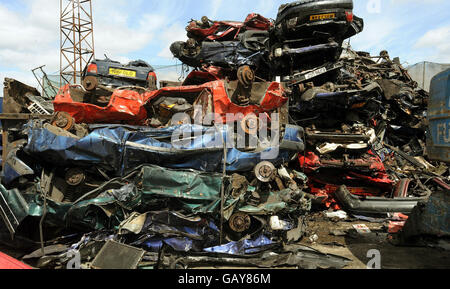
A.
x: 349, y: 16
x: 152, y: 75
x: 151, y: 81
x: 92, y: 68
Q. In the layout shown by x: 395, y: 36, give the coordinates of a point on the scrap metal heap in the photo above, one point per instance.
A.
x: 104, y: 174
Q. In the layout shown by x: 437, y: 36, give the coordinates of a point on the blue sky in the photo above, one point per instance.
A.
x: 414, y: 30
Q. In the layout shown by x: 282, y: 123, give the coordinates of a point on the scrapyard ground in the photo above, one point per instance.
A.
x: 354, y: 246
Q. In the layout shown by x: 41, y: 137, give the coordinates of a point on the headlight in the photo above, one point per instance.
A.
x: 278, y: 52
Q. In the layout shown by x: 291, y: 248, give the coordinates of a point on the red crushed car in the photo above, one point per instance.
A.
x: 365, y: 176
x: 9, y: 263
x: 200, y: 88
x: 125, y: 106
x: 218, y: 97
x: 225, y: 30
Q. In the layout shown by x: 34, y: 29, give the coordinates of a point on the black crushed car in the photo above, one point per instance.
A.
x: 248, y: 50
x: 312, y: 19
x: 314, y: 28
x: 307, y: 34
x: 113, y: 74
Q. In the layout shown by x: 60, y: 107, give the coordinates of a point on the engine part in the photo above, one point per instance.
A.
x: 265, y: 172
x: 90, y: 83
x: 115, y: 255
x: 245, y: 75
x: 249, y: 124
x: 239, y: 222
x: 75, y: 177
x: 63, y: 120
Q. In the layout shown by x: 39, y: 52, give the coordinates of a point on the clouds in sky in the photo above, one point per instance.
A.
x: 414, y: 30
x: 437, y: 42
x: 399, y: 27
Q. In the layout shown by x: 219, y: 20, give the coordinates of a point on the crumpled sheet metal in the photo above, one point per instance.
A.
x: 120, y: 149
x: 374, y: 205
x: 24, y: 206
x: 366, y: 176
x: 369, y: 162
x: 274, y: 205
x: 329, y: 147
x: 274, y: 98
x: 430, y: 218
x: 227, y: 54
x: 15, y: 95
x: 243, y: 247
x: 181, y: 233
x: 124, y: 106
x: 252, y: 22
x: 13, y: 208
x: 9, y: 263
x: 198, y: 192
x: 128, y: 106
x: 14, y: 169
x: 96, y: 213
x: 292, y: 256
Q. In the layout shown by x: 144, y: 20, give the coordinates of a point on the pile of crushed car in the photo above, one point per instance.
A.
x: 223, y: 169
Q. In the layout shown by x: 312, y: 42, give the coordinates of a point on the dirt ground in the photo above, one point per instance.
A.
x: 356, y: 246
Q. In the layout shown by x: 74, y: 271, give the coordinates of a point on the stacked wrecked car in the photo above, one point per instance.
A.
x: 225, y: 168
